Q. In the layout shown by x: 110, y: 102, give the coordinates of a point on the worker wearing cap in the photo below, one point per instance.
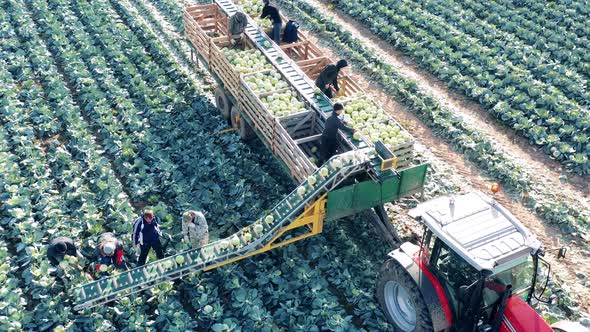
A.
x: 329, y: 77
x: 329, y: 140
x: 109, y: 251
x: 273, y: 13
x: 194, y: 229
x: 58, y: 248
x: 237, y: 24
x: 146, y: 235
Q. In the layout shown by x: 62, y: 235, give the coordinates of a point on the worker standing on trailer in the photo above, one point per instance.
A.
x: 329, y: 140
x: 237, y: 24
x: 275, y: 17
x: 109, y: 252
x: 194, y: 229
x: 146, y: 235
x: 329, y: 77
x: 60, y: 247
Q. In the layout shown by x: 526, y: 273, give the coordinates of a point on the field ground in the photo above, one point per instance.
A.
x: 75, y: 55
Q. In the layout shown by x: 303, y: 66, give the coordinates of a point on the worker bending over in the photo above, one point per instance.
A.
x: 194, y: 229
x: 329, y: 140
x: 273, y: 13
x: 329, y: 77
x: 58, y: 248
x: 237, y: 24
x: 146, y: 235
x: 109, y: 252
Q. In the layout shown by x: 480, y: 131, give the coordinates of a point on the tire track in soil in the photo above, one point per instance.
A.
x: 565, y: 270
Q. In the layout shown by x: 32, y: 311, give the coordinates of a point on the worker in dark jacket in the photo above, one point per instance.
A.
x: 273, y: 13
x: 58, y: 248
x: 329, y: 140
x: 146, y: 235
x: 329, y: 77
x: 109, y: 252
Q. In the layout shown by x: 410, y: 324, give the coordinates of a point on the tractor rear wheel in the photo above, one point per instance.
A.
x: 401, y: 299
x: 244, y: 129
x: 222, y: 103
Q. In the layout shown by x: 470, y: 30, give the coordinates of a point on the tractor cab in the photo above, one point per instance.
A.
x: 475, y: 267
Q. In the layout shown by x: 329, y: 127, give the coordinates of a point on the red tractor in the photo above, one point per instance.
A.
x: 477, y: 268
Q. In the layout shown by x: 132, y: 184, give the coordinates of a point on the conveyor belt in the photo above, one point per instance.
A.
x: 237, y: 246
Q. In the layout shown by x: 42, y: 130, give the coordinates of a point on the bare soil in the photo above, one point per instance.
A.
x: 546, y: 169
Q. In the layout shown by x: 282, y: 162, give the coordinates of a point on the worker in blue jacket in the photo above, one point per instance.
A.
x: 146, y: 235
x: 329, y: 140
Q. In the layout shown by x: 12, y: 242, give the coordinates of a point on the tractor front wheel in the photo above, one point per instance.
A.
x: 401, y: 299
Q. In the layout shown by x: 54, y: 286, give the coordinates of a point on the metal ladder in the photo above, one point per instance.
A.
x: 286, y: 215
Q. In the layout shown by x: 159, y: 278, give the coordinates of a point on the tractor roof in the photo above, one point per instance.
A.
x: 479, y: 229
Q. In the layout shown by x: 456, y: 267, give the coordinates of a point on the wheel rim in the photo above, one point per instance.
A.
x: 400, y: 306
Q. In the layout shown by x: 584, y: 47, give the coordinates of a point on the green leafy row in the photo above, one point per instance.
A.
x: 563, y: 46
x: 330, y: 316
x: 542, y: 68
x: 475, y: 145
x: 537, y: 111
x: 13, y: 316
x: 561, y: 16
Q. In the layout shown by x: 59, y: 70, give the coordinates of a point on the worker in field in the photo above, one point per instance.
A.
x: 146, y: 235
x: 273, y: 13
x: 194, y: 229
x: 237, y: 25
x: 329, y: 77
x: 60, y: 247
x: 109, y: 252
x: 329, y: 140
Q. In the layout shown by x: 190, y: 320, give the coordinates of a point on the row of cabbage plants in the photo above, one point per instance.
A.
x: 13, y: 302
x: 544, y: 69
x: 56, y: 311
x: 535, y: 109
x: 560, y: 15
x: 75, y: 192
x: 567, y: 47
x: 41, y: 206
x: 464, y: 137
x: 176, y: 134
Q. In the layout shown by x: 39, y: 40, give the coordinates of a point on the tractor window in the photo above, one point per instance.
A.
x: 520, y: 277
x: 454, y: 269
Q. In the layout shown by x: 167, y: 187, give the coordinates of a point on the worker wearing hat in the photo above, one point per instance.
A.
x: 194, y: 229
x: 329, y: 77
x: 109, y: 251
x: 58, y: 248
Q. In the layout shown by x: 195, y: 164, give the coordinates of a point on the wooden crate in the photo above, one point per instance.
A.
x: 313, y: 67
x: 272, y: 129
x: 202, y: 23
x: 284, y: 146
x: 302, y: 50
x: 300, y: 125
x: 221, y: 66
x: 348, y: 87
x: 262, y: 121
